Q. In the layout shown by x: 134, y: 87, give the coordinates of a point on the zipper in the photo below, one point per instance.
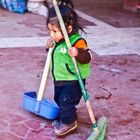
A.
x: 53, y: 62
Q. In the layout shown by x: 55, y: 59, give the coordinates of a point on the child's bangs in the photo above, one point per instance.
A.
x: 53, y: 20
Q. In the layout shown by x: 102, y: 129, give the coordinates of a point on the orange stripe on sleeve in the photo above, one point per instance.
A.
x: 80, y: 44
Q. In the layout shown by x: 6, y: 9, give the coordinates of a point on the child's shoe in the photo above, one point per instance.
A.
x: 61, y: 129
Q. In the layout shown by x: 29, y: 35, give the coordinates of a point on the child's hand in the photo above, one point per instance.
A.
x: 73, y: 52
x: 49, y: 43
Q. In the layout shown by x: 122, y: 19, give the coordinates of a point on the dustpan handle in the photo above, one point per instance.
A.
x: 42, y: 87
x: 85, y: 95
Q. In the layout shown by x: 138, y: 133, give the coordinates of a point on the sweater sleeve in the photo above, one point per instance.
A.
x: 84, y: 55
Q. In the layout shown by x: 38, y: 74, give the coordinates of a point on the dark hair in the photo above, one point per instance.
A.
x: 68, y: 3
x: 69, y: 16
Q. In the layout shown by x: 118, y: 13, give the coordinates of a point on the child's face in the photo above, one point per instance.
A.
x: 55, y: 32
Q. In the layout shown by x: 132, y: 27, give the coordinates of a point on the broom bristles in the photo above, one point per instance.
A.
x: 100, y: 135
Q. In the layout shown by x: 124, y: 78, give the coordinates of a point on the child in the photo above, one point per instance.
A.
x: 66, y: 86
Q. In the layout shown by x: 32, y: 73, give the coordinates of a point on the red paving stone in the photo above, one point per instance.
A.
x: 112, y: 94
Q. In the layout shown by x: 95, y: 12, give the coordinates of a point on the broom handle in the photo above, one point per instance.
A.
x: 75, y: 65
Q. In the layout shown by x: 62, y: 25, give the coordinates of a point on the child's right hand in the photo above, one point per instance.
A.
x: 49, y: 43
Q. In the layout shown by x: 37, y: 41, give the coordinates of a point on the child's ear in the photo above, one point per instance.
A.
x: 70, y: 28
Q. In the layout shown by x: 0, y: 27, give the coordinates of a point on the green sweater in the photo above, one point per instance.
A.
x: 62, y: 67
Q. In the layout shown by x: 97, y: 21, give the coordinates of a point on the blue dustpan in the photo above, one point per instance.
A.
x: 47, y: 109
x: 36, y: 103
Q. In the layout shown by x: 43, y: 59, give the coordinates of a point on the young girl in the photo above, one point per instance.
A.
x: 66, y: 86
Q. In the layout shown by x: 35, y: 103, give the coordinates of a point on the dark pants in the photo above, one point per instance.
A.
x: 67, y: 97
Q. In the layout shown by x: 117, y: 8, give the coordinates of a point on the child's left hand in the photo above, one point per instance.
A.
x: 73, y: 52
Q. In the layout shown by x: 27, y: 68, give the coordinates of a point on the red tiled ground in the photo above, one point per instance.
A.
x: 114, y: 94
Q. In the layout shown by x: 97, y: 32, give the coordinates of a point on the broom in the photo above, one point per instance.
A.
x: 99, y: 128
